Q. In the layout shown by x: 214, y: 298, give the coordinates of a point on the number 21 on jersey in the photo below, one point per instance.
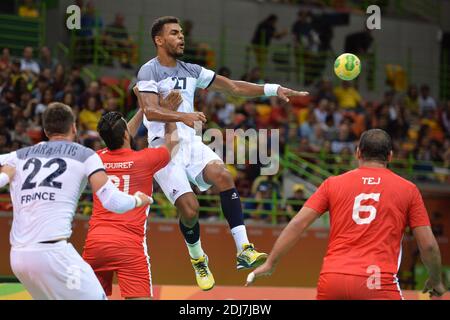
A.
x: 358, y: 208
x: 126, y: 182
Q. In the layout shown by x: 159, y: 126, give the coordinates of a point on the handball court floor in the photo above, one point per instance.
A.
x: 15, y: 291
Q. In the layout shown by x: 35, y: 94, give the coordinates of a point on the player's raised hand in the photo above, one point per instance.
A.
x: 266, y: 269
x: 10, y: 171
x: 172, y: 101
x: 142, y: 199
x: 284, y: 93
x: 190, y: 119
x: 434, y: 289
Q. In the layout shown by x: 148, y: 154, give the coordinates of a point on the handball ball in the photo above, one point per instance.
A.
x: 347, y: 66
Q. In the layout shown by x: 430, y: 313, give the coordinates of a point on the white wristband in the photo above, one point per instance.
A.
x: 138, y: 201
x: 271, y: 89
x: 4, y: 179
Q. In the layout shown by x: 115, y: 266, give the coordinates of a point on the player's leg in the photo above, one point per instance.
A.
x: 207, y: 169
x: 20, y: 265
x: 216, y: 174
x: 99, y: 255
x: 80, y: 281
x: 134, y: 274
x: 175, y: 184
x: 106, y: 280
x: 56, y: 272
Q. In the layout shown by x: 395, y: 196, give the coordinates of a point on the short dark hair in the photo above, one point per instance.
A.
x: 375, y: 145
x: 112, y: 127
x: 159, y: 23
x: 58, y: 118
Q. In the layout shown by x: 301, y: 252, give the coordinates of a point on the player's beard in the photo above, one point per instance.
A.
x: 175, y: 54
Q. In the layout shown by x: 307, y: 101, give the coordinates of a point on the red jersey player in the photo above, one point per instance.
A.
x: 369, y: 207
x: 118, y: 244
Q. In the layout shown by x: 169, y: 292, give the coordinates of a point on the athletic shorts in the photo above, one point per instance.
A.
x: 131, y: 264
x: 185, y: 167
x: 336, y: 286
x: 55, y: 272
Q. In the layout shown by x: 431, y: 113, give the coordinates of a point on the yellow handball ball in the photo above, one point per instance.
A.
x: 347, y: 66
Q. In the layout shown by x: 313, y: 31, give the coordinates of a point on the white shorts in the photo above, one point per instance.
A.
x: 187, y: 166
x: 55, y: 272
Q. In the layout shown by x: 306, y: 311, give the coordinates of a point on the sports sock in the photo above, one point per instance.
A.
x: 195, y: 250
x: 192, y: 238
x: 239, y: 234
x: 232, y: 210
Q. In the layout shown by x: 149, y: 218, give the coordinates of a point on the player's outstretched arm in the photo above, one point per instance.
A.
x: 250, y: 90
x: 112, y: 198
x: 431, y: 258
x: 154, y: 112
x: 287, y: 239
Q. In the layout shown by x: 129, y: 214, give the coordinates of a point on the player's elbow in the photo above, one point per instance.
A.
x: 150, y: 114
x: 429, y: 248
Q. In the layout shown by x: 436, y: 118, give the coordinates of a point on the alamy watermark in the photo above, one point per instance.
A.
x: 373, y: 22
x: 73, y: 281
x: 374, y: 280
x: 235, y: 146
x: 73, y: 21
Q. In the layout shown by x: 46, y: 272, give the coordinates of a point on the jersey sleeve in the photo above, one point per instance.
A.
x: 417, y: 214
x: 158, y: 158
x: 93, y: 164
x: 9, y: 159
x: 319, y: 201
x: 146, y: 80
x: 205, y: 78
x: 4, y: 158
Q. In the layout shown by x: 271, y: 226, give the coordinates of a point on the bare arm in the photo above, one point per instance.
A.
x: 431, y: 258
x: 286, y: 241
x: 172, y: 101
x: 98, y: 180
x: 248, y: 89
x: 135, y: 122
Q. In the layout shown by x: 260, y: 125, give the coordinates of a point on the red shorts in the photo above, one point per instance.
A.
x: 131, y: 264
x: 336, y: 286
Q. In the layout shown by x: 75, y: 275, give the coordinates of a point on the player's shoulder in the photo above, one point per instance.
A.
x: 146, y: 152
x: 5, y: 157
x: 83, y: 153
x: 149, y: 71
x: 101, y: 152
x: 191, y: 69
x: 61, y: 149
x: 342, y: 177
x: 402, y: 182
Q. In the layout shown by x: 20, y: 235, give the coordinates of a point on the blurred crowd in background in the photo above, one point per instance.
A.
x: 322, y: 128
x: 329, y: 121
